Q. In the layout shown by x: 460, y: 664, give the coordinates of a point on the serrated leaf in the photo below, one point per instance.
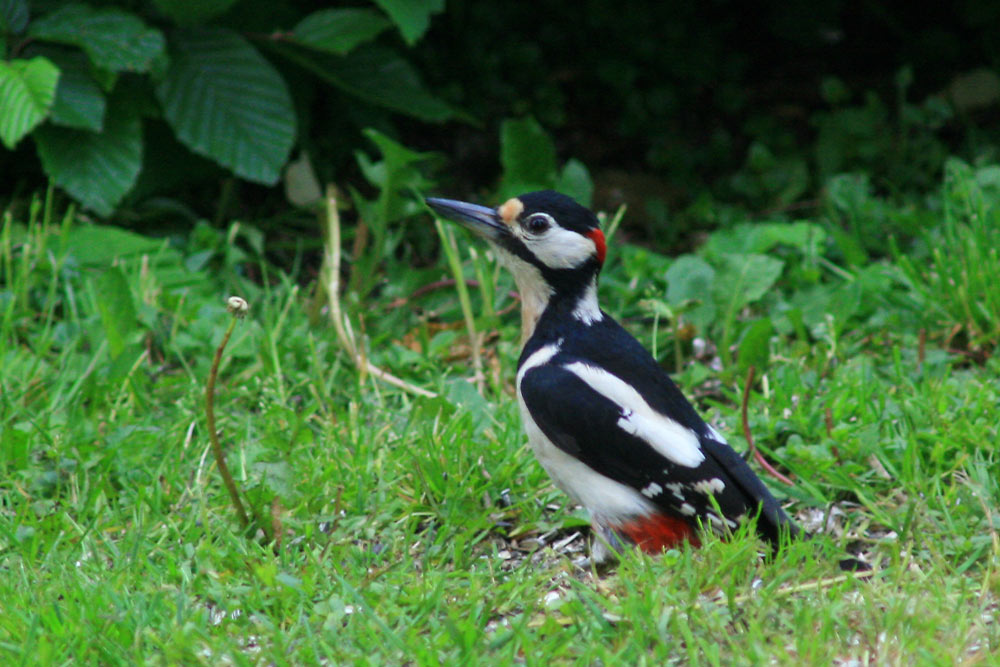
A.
x: 412, y: 17
x: 226, y: 102
x: 689, y: 278
x: 527, y: 155
x: 185, y: 12
x: 27, y: 91
x: 339, y: 31
x: 79, y: 101
x: 114, y: 301
x: 575, y: 181
x: 113, y: 39
x: 373, y: 74
x: 395, y: 175
x: 13, y: 16
x: 96, y: 168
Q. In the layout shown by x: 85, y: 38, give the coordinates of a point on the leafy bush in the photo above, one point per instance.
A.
x: 83, y: 81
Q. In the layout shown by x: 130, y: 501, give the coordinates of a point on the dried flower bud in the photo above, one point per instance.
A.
x: 237, y: 306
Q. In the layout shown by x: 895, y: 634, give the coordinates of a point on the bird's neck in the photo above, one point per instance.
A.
x: 538, y: 298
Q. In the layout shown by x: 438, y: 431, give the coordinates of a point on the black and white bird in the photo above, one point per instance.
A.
x: 604, y: 420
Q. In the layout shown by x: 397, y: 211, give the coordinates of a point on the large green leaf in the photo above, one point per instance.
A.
x: 339, y: 30
x: 527, y: 155
x: 27, y: 90
x: 689, y: 278
x: 760, y: 237
x: 113, y: 39
x: 374, y: 74
x: 99, y: 245
x: 79, y: 100
x: 226, y: 102
x: 689, y: 287
x: 745, y: 279
x: 13, y: 16
x: 412, y: 17
x: 186, y: 12
x: 96, y: 168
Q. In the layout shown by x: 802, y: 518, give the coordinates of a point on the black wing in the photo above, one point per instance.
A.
x: 584, y: 423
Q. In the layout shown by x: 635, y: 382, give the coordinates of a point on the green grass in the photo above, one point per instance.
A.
x: 409, y: 528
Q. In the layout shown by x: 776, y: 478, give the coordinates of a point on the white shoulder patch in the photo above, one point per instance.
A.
x: 540, y: 356
x: 666, y: 436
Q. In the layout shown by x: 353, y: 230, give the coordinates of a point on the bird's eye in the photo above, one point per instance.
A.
x: 537, y: 223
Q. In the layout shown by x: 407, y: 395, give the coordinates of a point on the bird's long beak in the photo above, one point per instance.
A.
x: 482, y: 220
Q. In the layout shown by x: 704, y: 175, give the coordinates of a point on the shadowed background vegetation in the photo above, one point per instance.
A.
x: 174, y: 112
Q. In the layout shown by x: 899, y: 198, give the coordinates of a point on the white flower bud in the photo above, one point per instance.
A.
x: 237, y: 306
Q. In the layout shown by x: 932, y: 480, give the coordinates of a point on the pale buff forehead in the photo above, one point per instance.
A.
x: 509, y: 210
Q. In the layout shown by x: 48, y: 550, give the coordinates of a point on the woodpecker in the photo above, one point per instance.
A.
x: 603, y: 418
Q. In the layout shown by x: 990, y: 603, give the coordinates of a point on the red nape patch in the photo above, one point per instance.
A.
x: 655, y: 532
x: 597, y: 236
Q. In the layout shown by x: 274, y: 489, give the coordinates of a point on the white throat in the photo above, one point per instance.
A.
x: 535, y: 294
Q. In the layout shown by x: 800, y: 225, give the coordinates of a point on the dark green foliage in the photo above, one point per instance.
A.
x: 692, y: 113
x: 82, y: 81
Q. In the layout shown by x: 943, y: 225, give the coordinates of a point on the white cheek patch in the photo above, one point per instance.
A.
x: 666, y: 436
x: 560, y: 248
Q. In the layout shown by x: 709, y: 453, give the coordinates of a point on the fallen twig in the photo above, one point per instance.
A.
x: 331, y: 267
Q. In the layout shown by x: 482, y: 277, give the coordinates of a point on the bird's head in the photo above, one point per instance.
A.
x: 553, y: 246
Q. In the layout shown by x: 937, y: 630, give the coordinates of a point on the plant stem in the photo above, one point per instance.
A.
x: 220, y: 458
x: 749, y: 437
x: 451, y: 251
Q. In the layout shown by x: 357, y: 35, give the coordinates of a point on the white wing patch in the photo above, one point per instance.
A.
x: 709, y: 487
x: 666, y: 436
x: 652, y: 490
x: 676, y: 488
